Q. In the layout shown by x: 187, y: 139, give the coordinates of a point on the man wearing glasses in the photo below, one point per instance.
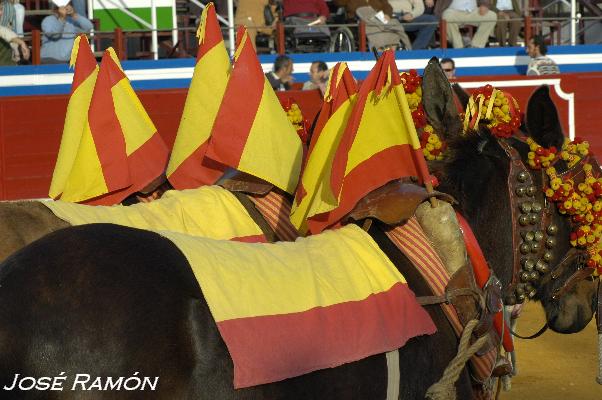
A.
x: 449, y: 67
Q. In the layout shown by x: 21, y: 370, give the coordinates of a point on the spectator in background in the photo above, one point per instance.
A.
x: 382, y: 29
x: 449, y: 67
x: 506, y: 10
x: 540, y: 64
x: 407, y: 11
x: 12, y: 48
x: 59, y: 32
x: 315, y: 10
x: 250, y: 13
x: 472, y: 12
x: 281, y: 77
x: 318, y: 76
x: 80, y: 7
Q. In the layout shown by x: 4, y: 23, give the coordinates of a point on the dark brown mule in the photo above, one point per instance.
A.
x: 107, y: 300
x: 477, y: 175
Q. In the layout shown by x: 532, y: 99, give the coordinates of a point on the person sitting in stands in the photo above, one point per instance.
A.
x: 307, y: 9
x: 408, y: 11
x: 382, y: 29
x: 59, y: 32
x: 250, y: 13
x: 471, y: 12
x: 540, y: 64
x: 281, y: 77
x: 506, y: 10
x: 318, y: 74
x: 11, y: 46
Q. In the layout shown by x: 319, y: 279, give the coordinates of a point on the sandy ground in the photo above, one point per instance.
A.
x: 554, y: 366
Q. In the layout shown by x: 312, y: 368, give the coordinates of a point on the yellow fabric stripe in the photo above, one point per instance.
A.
x: 209, y: 211
x: 272, y: 134
x: 136, y: 125
x: 75, y: 121
x: 207, y: 88
x: 280, y: 278
x: 316, y: 175
x: 86, y: 179
x: 386, y: 122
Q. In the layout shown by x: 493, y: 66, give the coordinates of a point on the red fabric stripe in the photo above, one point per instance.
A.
x: 436, y: 282
x: 85, y: 64
x: 189, y: 175
x: 106, y: 130
x: 431, y: 260
x: 271, y: 348
x: 144, y: 165
x: 250, y: 239
x: 213, y: 33
x: 238, y: 109
x: 368, y: 176
x: 275, y: 209
x: 432, y: 271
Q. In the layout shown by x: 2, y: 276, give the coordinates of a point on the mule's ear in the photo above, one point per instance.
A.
x: 543, y: 124
x: 462, y: 95
x: 438, y: 101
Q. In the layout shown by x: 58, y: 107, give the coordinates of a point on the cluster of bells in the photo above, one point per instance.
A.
x: 536, y: 247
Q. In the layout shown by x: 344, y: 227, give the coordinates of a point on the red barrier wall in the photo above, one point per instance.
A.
x: 31, y: 126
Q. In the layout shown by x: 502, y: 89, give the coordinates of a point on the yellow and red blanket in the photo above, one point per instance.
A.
x: 209, y: 211
x: 286, y: 309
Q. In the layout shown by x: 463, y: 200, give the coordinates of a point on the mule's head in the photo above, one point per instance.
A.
x: 568, y: 291
x: 530, y: 259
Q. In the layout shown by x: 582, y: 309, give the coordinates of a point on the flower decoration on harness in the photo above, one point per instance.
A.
x: 432, y: 146
x: 294, y: 114
x: 577, y: 193
x: 498, y: 109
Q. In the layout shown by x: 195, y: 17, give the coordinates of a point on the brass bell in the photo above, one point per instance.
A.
x: 525, y: 248
x: 535, y: 247
x: 525, y: 276
x: 523, y: 219
x: 536, y: 207
x: 527, y: 236
x: 522, y: 176
x: 552, y: 229
x: 521, y: 191
x: 533, y: 276
x: 520, y: 298
x: 529, y: 264
x: 550, y: 242
x: 531, y: 190
x: 538, y: 236
x: 533, y: 218
x: 547, y: 256
x: 525, y: 207
x: 529, y: 288
x: 542, y: 267
x: 519, y: 290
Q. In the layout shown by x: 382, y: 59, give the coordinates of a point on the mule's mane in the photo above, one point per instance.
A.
x: 467, y: 169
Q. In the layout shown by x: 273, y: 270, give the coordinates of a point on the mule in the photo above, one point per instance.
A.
x: 477, y: 172
x: 107, y: 300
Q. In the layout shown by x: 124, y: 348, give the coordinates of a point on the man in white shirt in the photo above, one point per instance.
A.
x: 471, y: 12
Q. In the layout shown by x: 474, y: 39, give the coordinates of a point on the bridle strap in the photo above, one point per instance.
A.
x: 533, y: 336
x: 448, y: 297
x: 577, y: 276
x: 521, y: 192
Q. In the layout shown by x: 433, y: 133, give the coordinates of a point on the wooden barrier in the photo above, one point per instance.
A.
x: 31, y: 126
